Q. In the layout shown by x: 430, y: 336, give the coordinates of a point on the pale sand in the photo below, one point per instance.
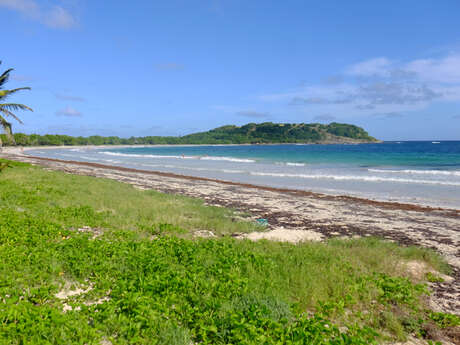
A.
x: 297, y: 216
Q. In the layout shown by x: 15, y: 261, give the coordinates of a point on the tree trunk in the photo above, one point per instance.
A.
x: 9, y: 133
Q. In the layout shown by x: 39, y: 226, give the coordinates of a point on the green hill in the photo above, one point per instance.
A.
x: 268, y: 132
x: 252, y: 133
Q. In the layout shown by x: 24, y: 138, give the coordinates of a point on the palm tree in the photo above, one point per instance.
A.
x: 7, y: 109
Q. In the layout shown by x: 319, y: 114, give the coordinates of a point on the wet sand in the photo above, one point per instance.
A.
x: 299, y: 215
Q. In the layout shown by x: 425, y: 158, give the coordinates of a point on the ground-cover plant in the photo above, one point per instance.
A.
x: 3, y: 166
x: 146, y: 283
x: 73, y: 200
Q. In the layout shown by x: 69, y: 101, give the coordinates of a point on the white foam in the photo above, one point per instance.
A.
x: 419, y: 172
x: 295, y: 164
x: 357, y: 178
x: 230, y: 171
x: 212, y: 158
x: 228, y: 159
x: 137, y: 155
x: 111, y: 161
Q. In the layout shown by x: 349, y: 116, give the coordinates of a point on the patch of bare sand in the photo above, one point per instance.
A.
x: 284, y: 235
x: 72, y: 289
x: 418, y: 270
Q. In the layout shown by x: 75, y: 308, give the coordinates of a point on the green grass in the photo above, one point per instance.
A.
x: 164, y: 287
x: 73, y: 200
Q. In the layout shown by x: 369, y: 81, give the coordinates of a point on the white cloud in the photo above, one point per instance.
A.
x: 445, y: 70
x: 373, y: 67
x: 379, y: 85
x: 53, y: 17
x: 69, y: 112
x: 59, y: 18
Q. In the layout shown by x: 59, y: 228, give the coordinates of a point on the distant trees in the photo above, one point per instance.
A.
x: 6, y: 109
x: 251, y: 133
x: 349, y: 131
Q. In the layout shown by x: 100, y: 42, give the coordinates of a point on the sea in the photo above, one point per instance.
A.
x: 416, y: 172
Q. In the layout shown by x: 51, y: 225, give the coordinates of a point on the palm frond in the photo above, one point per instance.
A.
x: 6, y: 126
x: 5, y: 76
x: 9, y: 113
x: 15, y: 106
x: 6, y: 93
x: 7, y: 108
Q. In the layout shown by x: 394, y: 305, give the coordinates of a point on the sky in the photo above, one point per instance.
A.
x: 142, y: 67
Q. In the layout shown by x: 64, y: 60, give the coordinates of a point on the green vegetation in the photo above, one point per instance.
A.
x: 251, y: 133
x: 75, y: 201
x: 280, y: 133
x: 7, y: 108
x: 145, y: 279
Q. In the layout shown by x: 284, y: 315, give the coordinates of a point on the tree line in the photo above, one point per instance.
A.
x: 251, y: 133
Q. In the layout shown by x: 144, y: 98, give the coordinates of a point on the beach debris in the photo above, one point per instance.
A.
x: 204, y: 234
x: 95, y: 231
x: 262, y: 221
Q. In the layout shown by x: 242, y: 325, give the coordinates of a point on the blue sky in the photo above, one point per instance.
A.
x: 175, y: 67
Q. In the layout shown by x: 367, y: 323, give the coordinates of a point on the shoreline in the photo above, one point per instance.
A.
x: 380, y: 203
x: 397, y: 202
x: 294, y: 215
x: 16, y: 151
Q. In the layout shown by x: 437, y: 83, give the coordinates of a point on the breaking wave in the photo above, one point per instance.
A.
x: 358, y: 178
x: 418, y: 172
x: 207, y: 158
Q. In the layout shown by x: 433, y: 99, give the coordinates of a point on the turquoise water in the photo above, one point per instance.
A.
x: 415, y: 154
x: 416, y: 172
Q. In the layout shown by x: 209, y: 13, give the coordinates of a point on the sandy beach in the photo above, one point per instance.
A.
x: 299, y: 215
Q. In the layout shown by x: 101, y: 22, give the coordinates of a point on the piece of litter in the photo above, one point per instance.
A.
x: 262, y: 221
